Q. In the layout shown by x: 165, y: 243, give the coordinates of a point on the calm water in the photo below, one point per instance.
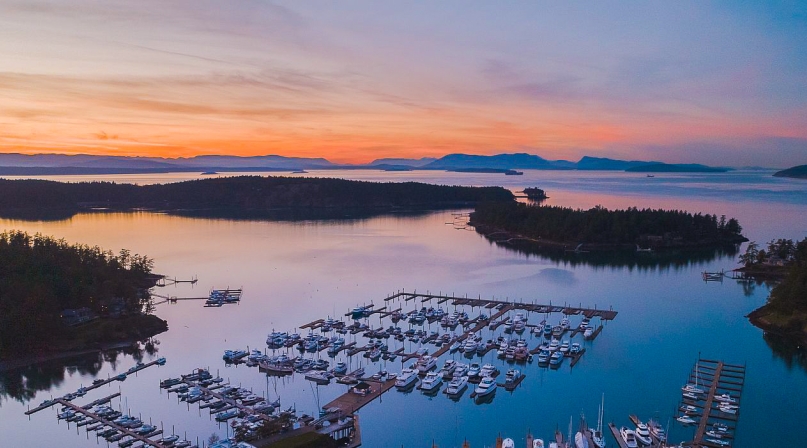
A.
x: 293, y: 273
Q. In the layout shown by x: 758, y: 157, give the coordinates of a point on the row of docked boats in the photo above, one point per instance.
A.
x: 113, y: 426
x: 219, y: 297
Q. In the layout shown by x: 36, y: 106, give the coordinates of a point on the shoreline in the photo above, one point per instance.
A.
x: 157, y: 326
x: 511, y: 237
x: 758, y: 319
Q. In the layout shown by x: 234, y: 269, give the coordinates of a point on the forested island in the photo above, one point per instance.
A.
x: 56, y: 296
x: 244, y: 196
x: 602, y: 229
x: 786, y: 311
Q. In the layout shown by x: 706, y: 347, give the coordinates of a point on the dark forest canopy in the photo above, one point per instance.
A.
x: 599, y: 226
x: 791, y: 292
x: 241, y: 194
x: 41, y: 276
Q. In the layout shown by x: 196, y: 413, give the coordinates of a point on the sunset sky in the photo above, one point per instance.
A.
x: 721, y: 83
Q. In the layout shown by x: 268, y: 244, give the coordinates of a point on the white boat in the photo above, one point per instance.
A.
x: 554, y: 345
x: 580, y: 440
x: 407, y: 378
x: 657, y: 431
x: 686, y: 420
x: 691, y: 396
x: 725, y: 398
x: 643, y: 434
x: 596, y: 435
x: 457, y: 385
x: 455, y: 346
x: 538, y: 443
x: 474, y: 370
x: 629, y: 437
x: 512, y: 377
x: 448, y: 369
x: 432, y: 382
x: 564, y: 323
x: 727, y: 410
x: 564, y: 347
x: 487, y: 370
x: 469, y: 346
x: 486, y: 387
x: 426, y: 363
x: 588, y: 333
x: 508, y: 443
x: 718, y: 442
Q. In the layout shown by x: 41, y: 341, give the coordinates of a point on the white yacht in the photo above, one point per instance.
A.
x: 432, y: 382
x: 643, y: 434
x: 554, y: 345
x: 407, y: 378
x: 426, y: 363
x: 508, y: 443
x: 538, y: 443
x: 486, y: 387
x: 596, y: 435
x: 588, y: 333
x: 629, y: 436
x: 457, y: 385
x: 564, y: 347
x: 686, y: 420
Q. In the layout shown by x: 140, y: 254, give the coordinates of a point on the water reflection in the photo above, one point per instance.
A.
x: 657, y: 260
x: 792, y: 352
x: 22, y: 384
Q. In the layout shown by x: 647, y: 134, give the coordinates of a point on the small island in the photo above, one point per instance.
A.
x: 796, y: 172
x: 785, y: 313
x: 600, y: 229
x: 58, y: 298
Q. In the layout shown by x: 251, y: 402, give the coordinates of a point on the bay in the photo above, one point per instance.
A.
x: 296, y: 272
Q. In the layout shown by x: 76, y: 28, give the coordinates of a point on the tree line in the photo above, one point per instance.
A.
x: 240, y: 193
x: 790, y: 294
x: 40, y: 276
x: 599, y: 225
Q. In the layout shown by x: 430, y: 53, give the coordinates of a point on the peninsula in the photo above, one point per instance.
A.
x: 57, y: 297
x: 786, y: 311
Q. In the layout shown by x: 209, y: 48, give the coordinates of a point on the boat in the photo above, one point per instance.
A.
x: 406, y: 379
x: 226, y: 415
x: 657, y: 431
x: 556, y: 360
x: 725, y: 398
x: 486, y: 387
x: 543, y: 357
x: 474, y: 369
x: 643, y: 434
x: 554, y: 345
x: 455, y: 346
x: 340, y: 368
x: 564, y: 347
x: 426, y: 363
x: 629, y: 436
x: 508, y: 443
x: 718, y: 442
x: 447, y: 371
x: 537, y: 443
x: 319, y: 377
x: 686, y: 420
x: 169, y: 440
x: 512, y: 376
x: 488, y: 370
x: 432, y: 382
x: 588, y: 333
x: 596, y: 435
x: 457, y: 386
x: 581, y: 437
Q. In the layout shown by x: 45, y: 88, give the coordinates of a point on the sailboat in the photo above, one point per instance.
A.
x: 597, y: 436
x: 693, y: 388
x: 580, y: 439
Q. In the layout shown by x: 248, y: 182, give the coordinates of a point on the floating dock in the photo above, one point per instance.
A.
x: 490, y: 304
x: 721, y: 378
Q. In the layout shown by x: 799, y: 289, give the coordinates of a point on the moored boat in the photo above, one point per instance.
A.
x: 629, y: 437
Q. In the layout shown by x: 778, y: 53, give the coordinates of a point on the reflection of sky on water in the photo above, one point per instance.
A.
x: 293, y: 273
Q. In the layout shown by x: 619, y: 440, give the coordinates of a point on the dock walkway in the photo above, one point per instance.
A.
x: 128, y: 432
x: 724, y: 378
x: 490, y: 304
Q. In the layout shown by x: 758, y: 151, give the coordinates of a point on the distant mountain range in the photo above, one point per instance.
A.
x: 38, y: 164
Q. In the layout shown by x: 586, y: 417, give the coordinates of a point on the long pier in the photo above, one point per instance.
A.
x: 724, y: 378
x: 125, y: 431
x: 231, y: 403
x: 490, y: 303
x: 132, y: 370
